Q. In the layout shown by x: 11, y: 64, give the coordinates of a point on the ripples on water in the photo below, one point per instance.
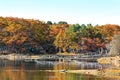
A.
x: 19, y: 70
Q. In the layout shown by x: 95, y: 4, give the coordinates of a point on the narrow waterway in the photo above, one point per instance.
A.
x: 20, y: 70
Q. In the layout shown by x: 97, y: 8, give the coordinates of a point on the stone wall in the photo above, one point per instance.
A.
x: 115, y: 46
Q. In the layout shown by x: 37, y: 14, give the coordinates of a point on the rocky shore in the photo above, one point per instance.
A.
x: 113, y: 61
x: 19, y: 57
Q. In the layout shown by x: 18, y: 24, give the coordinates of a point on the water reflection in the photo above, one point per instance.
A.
x: 23, y: 75
x: 18, y: 70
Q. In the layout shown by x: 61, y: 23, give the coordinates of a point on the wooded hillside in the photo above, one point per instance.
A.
x: 20, y: 35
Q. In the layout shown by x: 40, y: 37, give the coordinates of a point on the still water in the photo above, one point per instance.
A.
x: 20, y: 70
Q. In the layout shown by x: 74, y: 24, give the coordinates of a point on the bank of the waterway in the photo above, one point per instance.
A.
x: 55, y: 57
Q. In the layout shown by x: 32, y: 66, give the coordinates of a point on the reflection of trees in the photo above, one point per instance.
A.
x: 12, y: 75
x: 58, y: 74
x: 9, y: 74
x: 63, y: 75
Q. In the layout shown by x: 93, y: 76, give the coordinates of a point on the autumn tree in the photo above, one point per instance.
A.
x: 35, y: 36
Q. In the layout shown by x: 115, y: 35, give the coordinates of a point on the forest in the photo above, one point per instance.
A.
x: 30, y: 36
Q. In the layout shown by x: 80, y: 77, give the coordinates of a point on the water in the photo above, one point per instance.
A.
x: 19, y: 70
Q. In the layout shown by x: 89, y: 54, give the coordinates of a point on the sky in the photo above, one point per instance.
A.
x: 72, y: 11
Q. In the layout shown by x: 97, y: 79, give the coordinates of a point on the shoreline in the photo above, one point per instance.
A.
x: 56, y: 57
